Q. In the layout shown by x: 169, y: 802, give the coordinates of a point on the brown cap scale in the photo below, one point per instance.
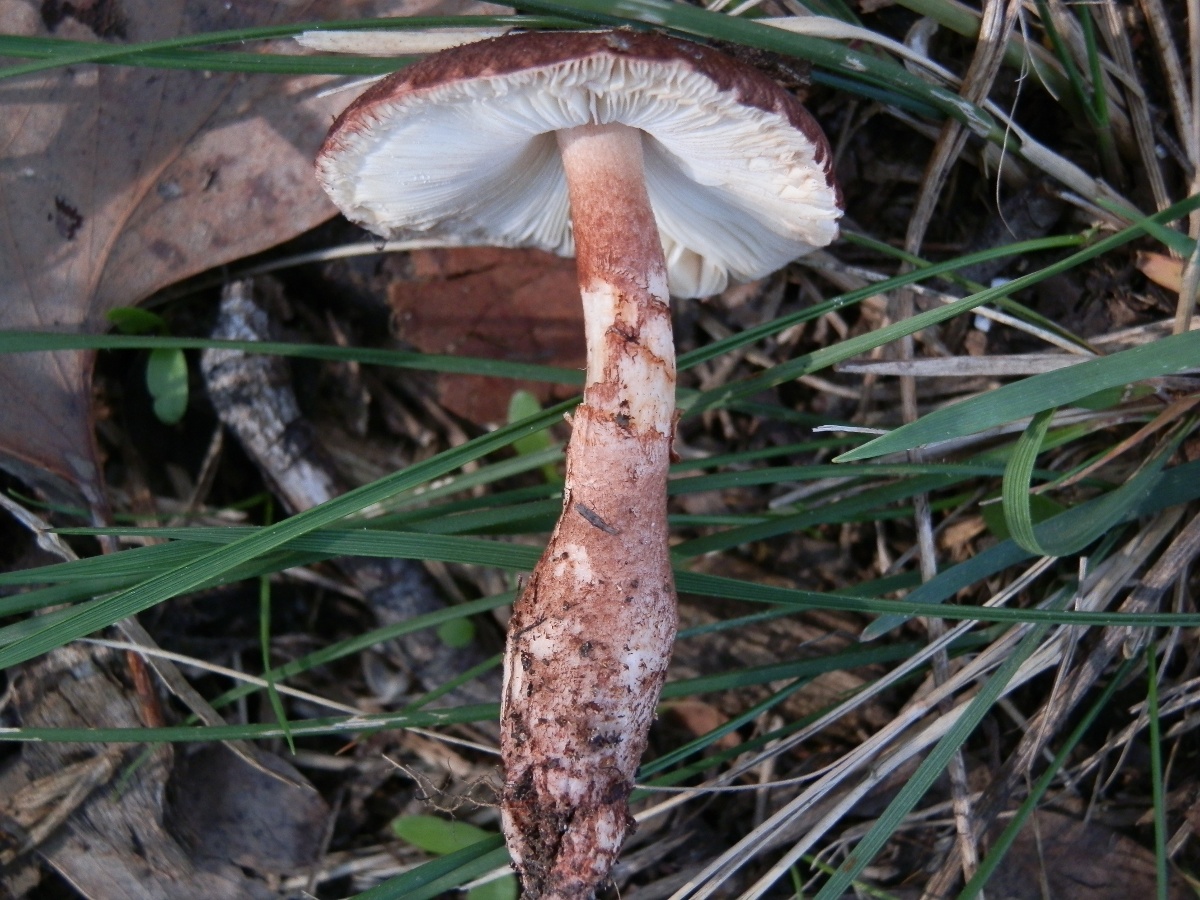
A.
x: 667, y: 168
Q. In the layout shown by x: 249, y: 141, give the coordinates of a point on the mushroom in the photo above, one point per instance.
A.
x: 667, y: 168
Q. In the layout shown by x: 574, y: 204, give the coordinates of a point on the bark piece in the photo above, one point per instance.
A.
x: 254, y: 398
x: 95, y: 812
x: 515, y: 305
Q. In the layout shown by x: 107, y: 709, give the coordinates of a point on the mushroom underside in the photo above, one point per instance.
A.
x: 737, y: 191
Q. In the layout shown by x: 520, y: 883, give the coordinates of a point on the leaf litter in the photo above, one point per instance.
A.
x: 120, y: 181
x: 1100, y: 803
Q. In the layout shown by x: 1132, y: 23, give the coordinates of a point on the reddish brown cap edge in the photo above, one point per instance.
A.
x: 530, y: 50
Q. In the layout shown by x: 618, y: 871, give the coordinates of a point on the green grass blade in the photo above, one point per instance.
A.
x: 264, y: 640
x: 358, y: 643
x: 331, y: 542
x: 1066, y: 59
x: 772, y: 475
x: 453, y: 684
x: 931, y: 767
x: 752, y: 676
x: 1157, y: 788
x: 923, y: 273
x: 443, y: 874
x: 55, y: 52
x: 843, y: 350
x: 28, y: 601
x: 775, y: 326
x: 1175, y: 241
x: 71, y: 53
x: 1018, y: 475
x: 220, y: 561
x: 1108, y: 510
x: 1023, y: 249
x: 485, y: 475
x: 41, y: 341
x: 75, y: 590
x: 732, y: 589
x: 1033, y: 395
x: 868, y: 503
x: 128, y: 564
x: 180, y: 734
x: 703, y: 742
x: 1002, y: 844
x: 1175, y: 486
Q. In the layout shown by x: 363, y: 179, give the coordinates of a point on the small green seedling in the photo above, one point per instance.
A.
x: 522, y: 405
x: 442, y: 837
x: 166, y: 369
x: 456, y: 633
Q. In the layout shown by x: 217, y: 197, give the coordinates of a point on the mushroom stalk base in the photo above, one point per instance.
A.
x: 591, y: 635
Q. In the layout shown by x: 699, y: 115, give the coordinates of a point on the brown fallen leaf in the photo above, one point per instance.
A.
x: 1061, y: 857
x: 516, y: 305
x: 116, y: 181
x: 1165, y: 271
x: 224, y: 809
x: 958, y: 537
x: 700, y: 718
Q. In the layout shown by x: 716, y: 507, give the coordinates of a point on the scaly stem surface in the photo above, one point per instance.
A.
x: 591, y: 635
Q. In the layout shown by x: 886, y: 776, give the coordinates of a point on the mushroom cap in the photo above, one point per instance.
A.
x: 460, y: 147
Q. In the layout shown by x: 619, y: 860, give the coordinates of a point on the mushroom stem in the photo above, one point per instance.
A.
x: 591, y: 634
x: 622, y: 275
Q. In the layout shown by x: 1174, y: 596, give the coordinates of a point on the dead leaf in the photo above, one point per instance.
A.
x: 1165, y: 271
x: 226, y: 810
x: 1064, y: 858
x: 516, y: 305
x: 700, y: 718
x: 116, y: 181
x: 107, y: 839
x: 958, y: 538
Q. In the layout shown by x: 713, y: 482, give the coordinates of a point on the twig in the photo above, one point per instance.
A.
x: 254, y: 399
